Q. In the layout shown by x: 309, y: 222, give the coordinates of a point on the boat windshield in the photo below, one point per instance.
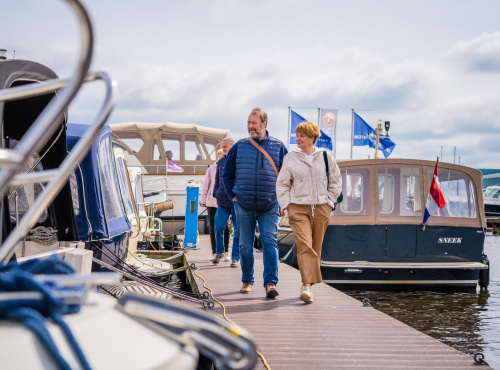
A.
x: 121, y: 170
x: 109, y: 187
x: 458, y: 191
x: 492, y: 193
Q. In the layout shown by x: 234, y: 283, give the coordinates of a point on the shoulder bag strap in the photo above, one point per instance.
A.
x: 265, y: 153
x: 327, y: 170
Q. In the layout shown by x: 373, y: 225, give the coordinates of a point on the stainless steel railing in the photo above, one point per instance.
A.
x: 43, y: 128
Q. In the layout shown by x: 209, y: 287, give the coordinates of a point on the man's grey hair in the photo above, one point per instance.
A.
x: 229, y: 140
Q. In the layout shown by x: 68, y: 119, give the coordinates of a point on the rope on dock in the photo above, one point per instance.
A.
x: 195, y: 269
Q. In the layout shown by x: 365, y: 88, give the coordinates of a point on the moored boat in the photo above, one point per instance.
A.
x: 180, y: 152
x: 492, y: 208
x: 375, y: 238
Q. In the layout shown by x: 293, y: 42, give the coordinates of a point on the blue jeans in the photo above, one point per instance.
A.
x: 221, y: 217
x: 268, y: 227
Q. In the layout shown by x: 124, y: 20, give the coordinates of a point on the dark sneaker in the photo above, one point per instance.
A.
x: 271, y: 291
x: 235, y: 263
x: 218, y: 258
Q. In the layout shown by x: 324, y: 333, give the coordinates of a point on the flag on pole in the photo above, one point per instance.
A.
x: 435, y: 199
x: 324, y: 141
x: 296, y: 119
x: 328, y: 127
x: 364, y: 134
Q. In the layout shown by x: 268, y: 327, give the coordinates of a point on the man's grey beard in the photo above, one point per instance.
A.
x: 254, y: 134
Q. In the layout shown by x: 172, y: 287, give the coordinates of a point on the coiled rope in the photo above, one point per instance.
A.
x: 18, y: 278
x: 42, y: 235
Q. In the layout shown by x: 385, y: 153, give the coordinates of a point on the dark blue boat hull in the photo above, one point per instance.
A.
x: 377, y: 253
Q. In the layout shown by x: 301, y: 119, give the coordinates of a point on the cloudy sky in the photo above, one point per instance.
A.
x: 430, y: 67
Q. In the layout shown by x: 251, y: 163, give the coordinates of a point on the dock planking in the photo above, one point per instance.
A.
x: 336, y: 331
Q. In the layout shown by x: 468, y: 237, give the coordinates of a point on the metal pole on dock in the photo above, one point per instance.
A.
x: 289, y: 127
x: 352, y: 129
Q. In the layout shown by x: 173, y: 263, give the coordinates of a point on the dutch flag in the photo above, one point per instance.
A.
x: 435, y: 199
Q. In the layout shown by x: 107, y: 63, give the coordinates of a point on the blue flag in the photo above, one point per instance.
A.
x: 364, y: 134
x: 361, y: 132
x: 296, y: 119
x: 324, y: 141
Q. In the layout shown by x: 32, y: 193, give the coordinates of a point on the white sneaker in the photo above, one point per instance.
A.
x: 226, y: 257
x: 213, y: 256
x: 306, y: 294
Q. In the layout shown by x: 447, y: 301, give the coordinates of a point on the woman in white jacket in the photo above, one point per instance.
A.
x: 208, y: 200
x: 304, y: 190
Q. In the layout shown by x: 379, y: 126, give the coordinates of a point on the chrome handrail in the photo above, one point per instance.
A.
x: 64, y: 171
x: 44, y: 126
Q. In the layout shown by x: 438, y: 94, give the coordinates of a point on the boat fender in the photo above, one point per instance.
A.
x: 484, y: 275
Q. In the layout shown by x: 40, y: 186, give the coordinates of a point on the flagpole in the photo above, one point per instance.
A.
x: 352, y: 130
x: 319, y: 115
x: 289, y: 127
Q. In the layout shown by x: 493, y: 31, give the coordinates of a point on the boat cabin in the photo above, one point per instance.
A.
x: 152, y: 145
x: 375, y: 236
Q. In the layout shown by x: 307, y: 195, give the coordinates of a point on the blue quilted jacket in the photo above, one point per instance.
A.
x: 219, y: 189
x: 249, y: 176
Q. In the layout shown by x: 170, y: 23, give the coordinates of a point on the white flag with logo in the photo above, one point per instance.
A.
x: 328, y: 125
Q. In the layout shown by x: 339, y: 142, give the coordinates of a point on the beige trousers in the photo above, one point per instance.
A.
x: 309, y: 227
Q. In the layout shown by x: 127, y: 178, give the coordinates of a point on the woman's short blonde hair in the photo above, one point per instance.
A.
x: 220, y: 152
x: 310, y: 129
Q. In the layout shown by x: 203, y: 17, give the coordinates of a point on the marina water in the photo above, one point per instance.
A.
x: 467, y: 321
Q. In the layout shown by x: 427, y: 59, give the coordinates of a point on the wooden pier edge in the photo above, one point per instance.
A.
x: 336, y: 331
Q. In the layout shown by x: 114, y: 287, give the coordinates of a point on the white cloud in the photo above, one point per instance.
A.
x: 481, y: 54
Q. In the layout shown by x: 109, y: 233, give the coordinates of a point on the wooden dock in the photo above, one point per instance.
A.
x: 334, y: 332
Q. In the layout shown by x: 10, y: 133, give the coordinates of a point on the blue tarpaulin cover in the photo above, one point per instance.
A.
x: 104, y: 226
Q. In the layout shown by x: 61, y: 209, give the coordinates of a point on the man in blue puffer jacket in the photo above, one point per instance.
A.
x: 250, y: 182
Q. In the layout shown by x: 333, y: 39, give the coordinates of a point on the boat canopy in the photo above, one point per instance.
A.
x: 98, y: 190
x: 394, y: 191
x: 16, y: 118
x: 151, y: 145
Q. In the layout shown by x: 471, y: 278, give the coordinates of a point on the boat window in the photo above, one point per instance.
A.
x: 399, y: 191
x: 24, y: 196
x: 211, y: 144
x: 133, y: 140
x: 122, y: 182
x: 107, y: 177
x: 156, y: 151
x: 412, y: 198
x: 385, y: 191
x: 172, y: 143
x: 458, y: 192
x: 356, y: 191
x: 193, y: 150
x: 74, y: 193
